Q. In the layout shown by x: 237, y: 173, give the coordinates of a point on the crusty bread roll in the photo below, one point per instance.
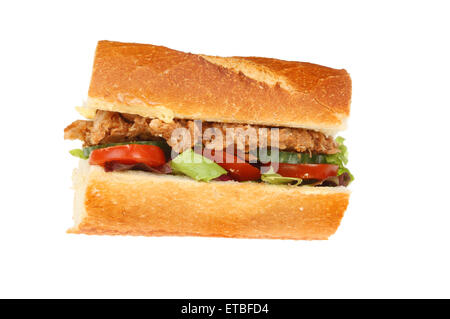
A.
x: 142, y: 203
x: 154, y: 81
x: 157, y: 82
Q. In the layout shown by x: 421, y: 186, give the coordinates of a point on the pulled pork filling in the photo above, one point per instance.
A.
x: 114, y: 127
x: 118, y: 141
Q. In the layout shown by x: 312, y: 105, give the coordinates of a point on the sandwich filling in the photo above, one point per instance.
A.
x: 209, y: 151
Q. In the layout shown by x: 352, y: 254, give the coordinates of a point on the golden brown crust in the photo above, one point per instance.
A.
x: 154, y: 81
x: 140, y: 203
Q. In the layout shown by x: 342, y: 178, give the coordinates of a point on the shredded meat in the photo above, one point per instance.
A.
x: 113, y: 127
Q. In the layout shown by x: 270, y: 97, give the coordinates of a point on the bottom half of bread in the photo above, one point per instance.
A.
x: 142, y: 203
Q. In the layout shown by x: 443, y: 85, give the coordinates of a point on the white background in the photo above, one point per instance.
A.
x: 394, y: 239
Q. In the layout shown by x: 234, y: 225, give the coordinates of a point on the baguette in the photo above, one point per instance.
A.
x: 143, y: 203
x: 157, y: 82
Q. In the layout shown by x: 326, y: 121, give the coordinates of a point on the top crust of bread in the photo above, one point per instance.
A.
x: 154, y: 81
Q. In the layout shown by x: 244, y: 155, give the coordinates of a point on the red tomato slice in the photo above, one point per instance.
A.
x: 150, y: 155
x: 307, y: 171
x: 238, y: 171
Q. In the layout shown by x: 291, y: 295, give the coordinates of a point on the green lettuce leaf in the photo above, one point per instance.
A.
x: 271, y: 177
x: 340, y: 159
x: 196, y: 166
x: 78, y: 153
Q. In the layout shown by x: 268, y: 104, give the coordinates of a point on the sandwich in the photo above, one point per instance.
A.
x: 182, y: 144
